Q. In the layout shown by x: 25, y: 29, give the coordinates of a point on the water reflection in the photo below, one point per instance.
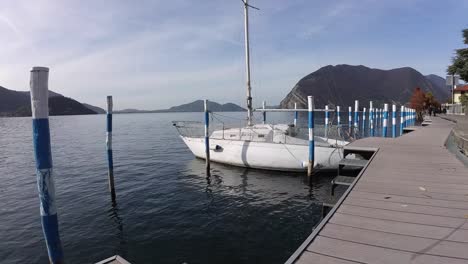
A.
x: 268, y: 186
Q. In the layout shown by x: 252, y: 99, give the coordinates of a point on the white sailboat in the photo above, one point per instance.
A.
x: 261, y: 146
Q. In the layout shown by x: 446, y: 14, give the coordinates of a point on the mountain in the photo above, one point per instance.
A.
x: 18, y: 103
x: 96, y: 109
x: 196, y: 106
x: 342, y: 84
x: 438, y: 82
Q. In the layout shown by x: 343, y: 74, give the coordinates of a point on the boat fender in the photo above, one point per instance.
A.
x: 217, y: 148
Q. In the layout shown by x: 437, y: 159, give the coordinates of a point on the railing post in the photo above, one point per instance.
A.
x: 402, y: 110
x: 43, y: 156
x: 207, y: 137
x: 326, y: 120
x: 385, y: 121
x: 264, y: 112
x: 393, y: 120
x: 310, y: 165
x: 371, y: 118
x: 350, y: 118
x: 356, y: 114
x: 338, y: 118
x: 110, y: 160
x: 364, y: 120
x: 295, y: 115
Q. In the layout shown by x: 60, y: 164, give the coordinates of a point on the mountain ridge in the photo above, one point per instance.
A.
x: 342, y: 84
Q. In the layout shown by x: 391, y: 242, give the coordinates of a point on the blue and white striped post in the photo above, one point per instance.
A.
x: 405, y: 118
x: 402, y: 119
x: 207, y: 137
x: 350, y: 118
x: 338, y: 117
x: 295, y: 115
x: 371, y: 118
x: 310, y: 165
x: 327, y: 115
x: 110, y: 160
x: 264, y: 113
x: 364, y: 120
x: 43, y: 156
x: 356, y: 115
x: 385, y: 121
x: 393, y: 120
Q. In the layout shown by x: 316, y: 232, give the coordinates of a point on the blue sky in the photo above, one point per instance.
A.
x: 155, y: 54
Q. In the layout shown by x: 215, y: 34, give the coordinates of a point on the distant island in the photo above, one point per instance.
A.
x: 196, y: 106
x: 18, y: 103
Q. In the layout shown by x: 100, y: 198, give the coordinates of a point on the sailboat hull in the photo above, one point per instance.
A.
x: 264, y: 155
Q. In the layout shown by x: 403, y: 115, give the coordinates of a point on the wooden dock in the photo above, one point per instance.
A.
x: 408, y: 205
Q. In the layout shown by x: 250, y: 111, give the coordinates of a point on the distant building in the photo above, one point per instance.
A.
x: 459, y: 90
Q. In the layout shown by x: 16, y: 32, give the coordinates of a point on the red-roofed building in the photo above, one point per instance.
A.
x: 459, y: 90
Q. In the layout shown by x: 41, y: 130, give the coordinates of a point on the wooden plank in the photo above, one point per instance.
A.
x: 373, y: 254
x: 427, y: 185
x: 310, y: 257
x: 404, y: 217
x: 411, y: 208
x: 423, y: 200
x: 398, y: 242
x: 411, y: 188
x: 394, y: 190
x: 418, y: 230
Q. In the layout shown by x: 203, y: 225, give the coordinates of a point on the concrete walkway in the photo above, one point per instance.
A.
x: 409, y: 205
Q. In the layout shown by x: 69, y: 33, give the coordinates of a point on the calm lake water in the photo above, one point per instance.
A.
x: 167, y: 210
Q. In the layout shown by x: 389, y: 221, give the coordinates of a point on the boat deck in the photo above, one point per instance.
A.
x: 408, y: 205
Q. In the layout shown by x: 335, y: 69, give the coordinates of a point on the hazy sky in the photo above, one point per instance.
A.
x: 155, y: 54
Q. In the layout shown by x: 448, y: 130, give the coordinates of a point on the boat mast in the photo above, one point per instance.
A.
x: 247, y: 63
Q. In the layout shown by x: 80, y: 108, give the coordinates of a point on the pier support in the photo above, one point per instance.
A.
x: 338, y: 118
x: 356, y: 115
x: 110, y: 159
x: 385, y: 121
x: 264, y: 113
x: 310, y: 165
x: 295, y: 115
x: 393, y: 121
x: 402, y: 119
x: 207, y: 137
x: 363, y: 120
x: 327, y: 115
x: 371, y: 119
x: 350, y: 118
x: 43, y: 156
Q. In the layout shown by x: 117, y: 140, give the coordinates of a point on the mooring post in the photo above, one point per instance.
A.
x: 207, y: 137
x: 310, y: 165
x: 43, y: 156
x: 356, y: 114
x: 393, y: 120
x: 364, y: 111
x: 326, y: 120
x: 338, y: 118
x: 371, y: 118
x: 295, y: 115
x: 264, y: 113
x: 350, y: 118
x: 402, y: 110
x: 385, y: 121
x: 110, y: 159
x: 405, y: 117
